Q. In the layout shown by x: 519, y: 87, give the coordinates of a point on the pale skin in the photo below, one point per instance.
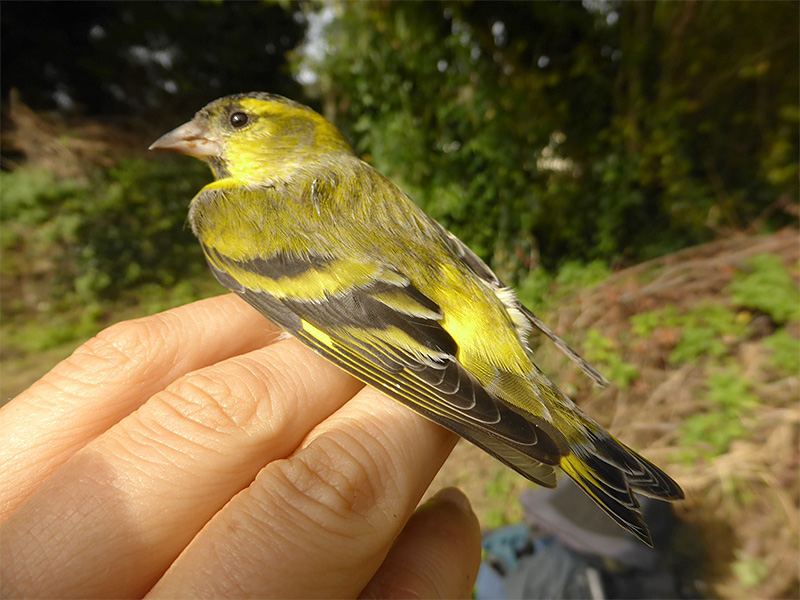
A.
x: 196, y: 453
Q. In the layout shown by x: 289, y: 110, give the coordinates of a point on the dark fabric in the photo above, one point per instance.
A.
x: 580, y: 524
x: 569, y: 549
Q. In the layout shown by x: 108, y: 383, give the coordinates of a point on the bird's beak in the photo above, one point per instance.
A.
x: 191, y: 138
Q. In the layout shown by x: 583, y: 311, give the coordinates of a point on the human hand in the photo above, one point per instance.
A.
x: 196, y: 453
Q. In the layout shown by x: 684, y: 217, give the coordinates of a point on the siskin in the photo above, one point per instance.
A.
x: 331, y: 251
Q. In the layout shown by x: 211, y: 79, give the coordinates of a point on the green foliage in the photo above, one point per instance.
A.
x: 765, y: 285
x: 606, y: 355
x: 592, y: 138
x: 495, y: 517
x: 730, y: 393
x: 135, y: 232
x: 499, y: 487
x: 499, y: 492
x: 709, y: 434
x: 117, y: 229
x: 749, y: 570
x: 59, y: 328
x: 534, y: 290
x: 34, y: 220
x: 645, y: 323
x: 156, y: 299
x: 696, y: 343
x: 539, y: 290
x: 785, y: 351
x: 73, y: 318
x: 706, y: 329
x: 30, y: 196
x: 720, y: 319
x: 574, y: 276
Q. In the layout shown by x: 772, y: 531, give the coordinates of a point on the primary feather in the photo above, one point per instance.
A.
x: 334, y: 253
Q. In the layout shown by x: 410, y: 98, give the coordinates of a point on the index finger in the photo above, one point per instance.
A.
x: 109, y: 377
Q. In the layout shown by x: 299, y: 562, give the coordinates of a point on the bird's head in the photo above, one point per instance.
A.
x: 256, y: 138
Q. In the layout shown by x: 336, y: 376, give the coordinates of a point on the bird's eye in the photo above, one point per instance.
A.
x: 239, y: 119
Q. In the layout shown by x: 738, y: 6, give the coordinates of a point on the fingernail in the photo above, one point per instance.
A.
x: 454, y: 496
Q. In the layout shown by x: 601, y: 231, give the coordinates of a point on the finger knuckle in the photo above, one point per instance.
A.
x: 227, y: 397
x: 338, y: 477
x: 129, y: 343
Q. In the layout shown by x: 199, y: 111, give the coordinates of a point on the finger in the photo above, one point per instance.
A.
x: 437, y: 555
x: 319, y: 523
x: 109, y: 377
x: 130, y: 501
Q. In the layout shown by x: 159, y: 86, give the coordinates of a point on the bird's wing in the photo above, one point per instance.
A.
x: 485, y: 274
x: 375, y: 324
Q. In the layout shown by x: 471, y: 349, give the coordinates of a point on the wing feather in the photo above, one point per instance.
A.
x: 361, y: 336
x: 484, y: 434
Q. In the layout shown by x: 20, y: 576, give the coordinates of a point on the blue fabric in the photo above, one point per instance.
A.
x: 505, y: 543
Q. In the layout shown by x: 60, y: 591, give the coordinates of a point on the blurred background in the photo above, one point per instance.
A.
x: 631, y: 168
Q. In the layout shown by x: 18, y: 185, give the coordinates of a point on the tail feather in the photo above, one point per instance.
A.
x: 609, y: 472
x: 621, y: 506
x: 642, y: 475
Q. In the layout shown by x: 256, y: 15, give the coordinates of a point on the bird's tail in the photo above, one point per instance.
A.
x: 609, y: 472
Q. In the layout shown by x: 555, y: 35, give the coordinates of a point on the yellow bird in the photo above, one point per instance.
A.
x: 334, y: 253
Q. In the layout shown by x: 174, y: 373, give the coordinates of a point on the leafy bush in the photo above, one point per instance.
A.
x: 134, y: 231
x: 785, y: 351
x: 695, y: 343
x: 534, y: 290
x: 765, y: 285
x: 30, y: 196
x: 706, y: 330
x: 59, y: 328
x: 645, y: 323
x: 729, y: 402
x: 116, y: 229
x: 540, y: 290
x: 592, y: 138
